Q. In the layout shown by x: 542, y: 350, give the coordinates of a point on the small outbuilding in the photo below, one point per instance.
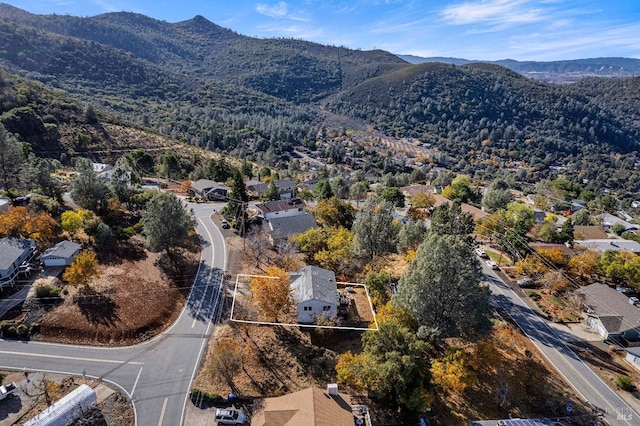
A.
x: 62, y: 254
x: 68, y: 409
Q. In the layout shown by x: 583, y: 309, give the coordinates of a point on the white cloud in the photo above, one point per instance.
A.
x: 493, y: 12
x: 278, y: 10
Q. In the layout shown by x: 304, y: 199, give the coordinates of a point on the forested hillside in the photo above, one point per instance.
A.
x: 199, y: 83
x: 485, y: 111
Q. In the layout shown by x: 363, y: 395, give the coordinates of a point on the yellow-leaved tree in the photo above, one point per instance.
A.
x: 83, y: 269
x: 272, y: 292
x: 452, y: 372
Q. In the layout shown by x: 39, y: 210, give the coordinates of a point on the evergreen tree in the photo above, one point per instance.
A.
x: 441, y: 288
x: 373, y: 230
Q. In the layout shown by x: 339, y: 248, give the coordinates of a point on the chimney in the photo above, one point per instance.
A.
x: 332, y: 389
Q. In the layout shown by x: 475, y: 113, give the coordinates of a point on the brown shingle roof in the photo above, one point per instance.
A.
x: 582, y: 232
x: 310, y: 406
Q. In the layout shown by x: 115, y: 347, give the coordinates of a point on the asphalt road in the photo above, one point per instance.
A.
x: 156, y: 374
x: 584, y: 381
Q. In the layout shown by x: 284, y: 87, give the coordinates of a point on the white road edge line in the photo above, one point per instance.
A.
x: 136, y: 382
x: 164, y: 407
x: 72, y: 358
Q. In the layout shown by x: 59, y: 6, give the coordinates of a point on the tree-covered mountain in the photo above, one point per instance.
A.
x: 257, y: 98
x: 480, y: 111
x: 291, y: 69
x: 566, y: 71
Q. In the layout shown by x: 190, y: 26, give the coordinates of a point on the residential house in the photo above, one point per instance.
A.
x: 635, y: 204
x: 589, y: 232
x: 605, y: 244
x: 209, y: 189
x: 62, y: 254
x: 286, y: 188
x: 100, y: 167
x: 282, y: 208
x: 610, y: 312
x: 567, y: 252
x: 280, y: 229
x: 609, y: 220
x: 15, y: 256
x: 539, y: 216
x: 633, y: 356
x: 311, y: 406
x: 315, y: 293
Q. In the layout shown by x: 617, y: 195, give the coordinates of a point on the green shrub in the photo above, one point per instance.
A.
x: 46, y: 291
x: 200, y: 397
x: 625, y: 383
x: 23, y: 331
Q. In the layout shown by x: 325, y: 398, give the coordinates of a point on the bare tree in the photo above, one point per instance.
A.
x: 258, y: 247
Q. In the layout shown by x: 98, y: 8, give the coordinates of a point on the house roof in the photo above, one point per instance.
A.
x: 313, y: 283
x: 611, y: 307
x: 64, y: 249
x: 567, y: 251
x: 590, y: 232
x: 610, y: 220
x: 284, y: 227
x: 261, y: 187
x: 310, y: 406
x: 513, y: 422
x: 11, y: 249
x: 280, y: 205
x: 610, y: 244
x: 206, y: 184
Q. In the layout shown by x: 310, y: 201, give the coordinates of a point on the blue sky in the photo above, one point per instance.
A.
x: 541, y: 30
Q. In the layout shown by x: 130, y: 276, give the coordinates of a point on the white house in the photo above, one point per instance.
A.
x: 633, y: 357
x: 282, y: 208
x: 62, y: 254
x: 315, y: 293
x: 15, y: 255
x: 286, y: 188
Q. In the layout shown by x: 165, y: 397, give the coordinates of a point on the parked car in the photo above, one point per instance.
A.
x: 491, y: 264
x: 224, y: 224
x: 229, y: 417
x: 481, y: 253
x: 8, y: 389
x: 524, y: 282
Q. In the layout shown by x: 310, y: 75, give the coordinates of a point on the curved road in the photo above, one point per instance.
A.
x: 575, y: 372
x: 156, y: 374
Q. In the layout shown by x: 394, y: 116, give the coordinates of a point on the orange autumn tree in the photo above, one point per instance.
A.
x: 20, y: 222
x: 272, y: 292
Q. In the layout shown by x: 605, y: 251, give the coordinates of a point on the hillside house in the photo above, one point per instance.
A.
x: 633, y: 357
x: 603, y: 245
x: 280, y: 229
x: 286, y: 188
x: 209, y: 189
x: 282, y: 208
x: 61, y: 254
x: 610, y: 312
x: 315, y: 293
x: 15, y: 256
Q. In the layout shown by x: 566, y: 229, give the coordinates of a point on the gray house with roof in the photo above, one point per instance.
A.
x: 210, y: 189
x: 62, y: 254
x: 15, y: 254
x: 315, y: 293
x: 280, y: 229
x: 610, y: 312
